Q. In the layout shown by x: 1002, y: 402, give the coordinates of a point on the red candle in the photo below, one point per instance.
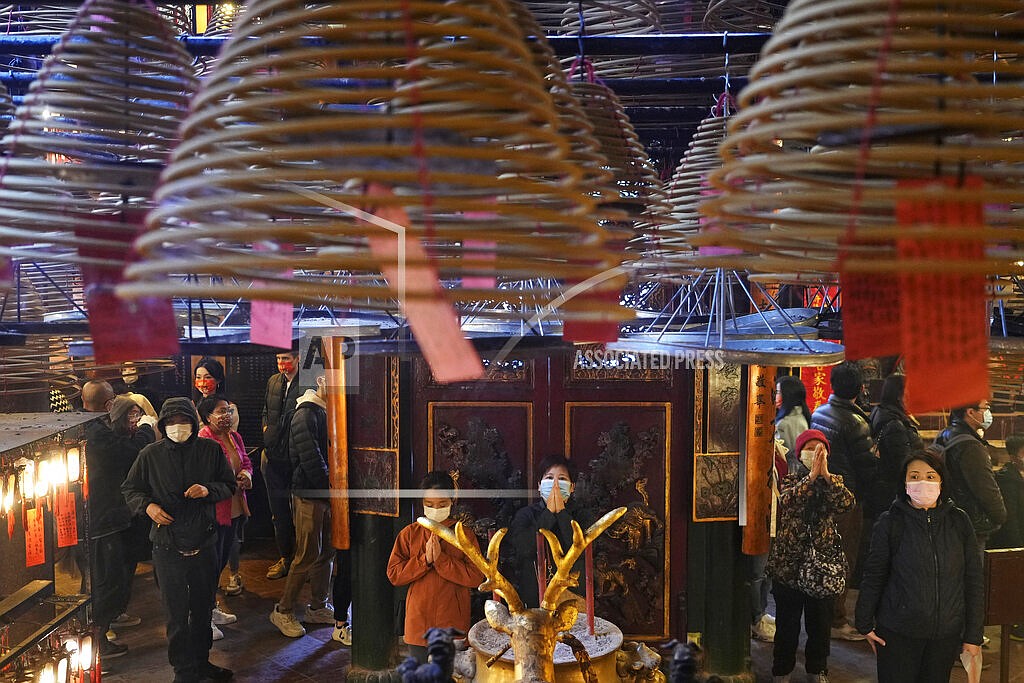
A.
x: 588, y: 556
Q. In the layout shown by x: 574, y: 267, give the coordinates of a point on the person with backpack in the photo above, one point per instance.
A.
x: 972, y: 485
x: 282, y: 392
x: 895, y: 433
x: 311, y: 491
x: 921, y: 598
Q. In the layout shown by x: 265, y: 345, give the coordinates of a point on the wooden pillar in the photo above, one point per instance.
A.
x: 337, y: 451
x: 759, y: 453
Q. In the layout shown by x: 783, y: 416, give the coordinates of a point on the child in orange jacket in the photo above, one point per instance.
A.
x: 439, y: 575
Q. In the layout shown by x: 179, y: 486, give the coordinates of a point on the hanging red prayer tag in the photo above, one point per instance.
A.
x: 944, y: 331
x: 35, y: 537
x: 871, y: 308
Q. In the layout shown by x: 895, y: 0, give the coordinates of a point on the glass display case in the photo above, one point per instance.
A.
x: 45, y: 633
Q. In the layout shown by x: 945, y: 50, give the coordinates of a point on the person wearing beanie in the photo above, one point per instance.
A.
x: 809, y: 500
x: 113, y: 442
x: 177, y: 483
x: 852, y: 455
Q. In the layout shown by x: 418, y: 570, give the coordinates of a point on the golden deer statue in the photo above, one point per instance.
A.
x: 533, y: 631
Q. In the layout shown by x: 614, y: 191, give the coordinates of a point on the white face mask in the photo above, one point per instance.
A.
x: 178, y: 433
x: 437, y: 514
x: 547, y: 485
x: 807, y: 458
x: 924, y: 494
x: 986, y: 419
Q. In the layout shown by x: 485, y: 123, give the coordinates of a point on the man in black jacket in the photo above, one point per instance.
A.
x: 1010, y: 479
x: 109, y: 455
x: 282, y: 392
x: 311, y: 490
x: 972, y: 484
x: 177, y: 482
x: 853, y: 457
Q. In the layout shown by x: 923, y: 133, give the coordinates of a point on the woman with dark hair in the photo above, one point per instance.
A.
x: 895, y: 434
x: 208, y: 380
x: 520, y: 549
x: 792, y: 415
x: 921, y: 598
x: 216, y: 414
x: 439, y: 575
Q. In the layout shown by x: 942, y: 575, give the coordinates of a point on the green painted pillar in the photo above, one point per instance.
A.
x: 373, y: 613
x: 718, y: 598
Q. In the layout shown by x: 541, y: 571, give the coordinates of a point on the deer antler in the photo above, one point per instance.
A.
x: 488, y: 566
x: 564, y: 576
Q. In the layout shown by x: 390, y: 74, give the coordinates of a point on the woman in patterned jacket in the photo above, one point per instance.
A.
x: 810, y: 498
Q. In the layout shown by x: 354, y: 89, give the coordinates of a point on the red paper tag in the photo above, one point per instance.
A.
x: 818, y: 383
x: 271, y: 321
x: 10, y: 525
x: 433, y: 321
x: 943, y: 315
x: 67, y: 520
x: 35, y: 537
x: 122, y: 330
x: 871, y: 308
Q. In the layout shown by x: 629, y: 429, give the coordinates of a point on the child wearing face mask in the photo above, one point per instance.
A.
x: 439, y: 575
x: 921, y: 599
x: 519, y: 554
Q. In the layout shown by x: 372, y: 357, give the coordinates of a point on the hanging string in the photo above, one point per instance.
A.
x: 580, y: 50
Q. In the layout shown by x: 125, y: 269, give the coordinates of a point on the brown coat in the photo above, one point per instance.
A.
x: 439, y: 595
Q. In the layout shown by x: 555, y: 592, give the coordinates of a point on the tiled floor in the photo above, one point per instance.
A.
x: 255, y: 650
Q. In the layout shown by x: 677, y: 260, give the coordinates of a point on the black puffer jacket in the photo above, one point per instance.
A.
x: 850, y: 454
x: 108, y: 457
x: 895, y: 434
x: 1011, y: 484
x: 165, y: 470
x: 922, y: 576
x: 275, y: 407
x: 307, y: 447
x: 970, y: 481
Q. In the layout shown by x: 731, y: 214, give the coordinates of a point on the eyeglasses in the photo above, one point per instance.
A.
x: 224, y: 411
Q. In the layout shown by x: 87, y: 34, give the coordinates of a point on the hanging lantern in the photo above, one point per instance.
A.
x: 74, y: 466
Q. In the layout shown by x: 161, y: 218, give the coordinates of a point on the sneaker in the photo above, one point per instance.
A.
x: 125, y: 621
x: 846, y: 632
x: 234, y: 586
x: 1017, y: 632
x: 220, y: 617
x: 818, y: 678
x: 110, y: 650
x: 343, y: 634
x: 212, y: 672
x: 985, y: 640
x: 278, y: 570
x: 111, y: 636
x: 217, y: 633
x: 322, y: 615
x: 286, y: 623
x: 763, y: 629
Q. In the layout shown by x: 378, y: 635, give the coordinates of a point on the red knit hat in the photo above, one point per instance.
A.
x: 810, y: 435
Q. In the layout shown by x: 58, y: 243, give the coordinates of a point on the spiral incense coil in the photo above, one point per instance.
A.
x: 584, y: 150
x: 636, y: 190
x: 681, y: 16
x: 669, y: 244
x: 546, y: 13
x: 37, y: 18
x: 822, y: 141
x: 181, y: 18
x: 313, y: 112
x: 614, y: 17
x: 86, y: 147
x: 742, y: 15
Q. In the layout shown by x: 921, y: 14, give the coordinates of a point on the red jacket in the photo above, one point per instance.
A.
x: 439, y: 595
x: 224, y: 506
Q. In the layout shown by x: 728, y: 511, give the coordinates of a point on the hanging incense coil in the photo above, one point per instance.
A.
x: 343, y: 106
x: 823, y: 145
x: 637, y: 191
x: 615, y: 17
x: 668, y: 245
x: 86, y: 147
x: 584, y: 149
x: 742, y: 15
x: 546, y: 13
x: 37, y: 18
